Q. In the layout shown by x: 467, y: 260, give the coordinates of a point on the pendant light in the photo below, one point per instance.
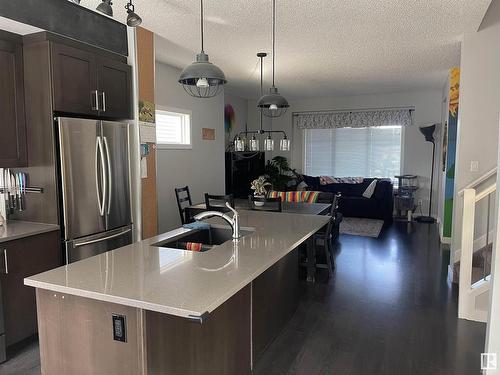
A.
x: 273, y: 104
x: 105, y: 7
x: 133, y: 19
x: 202, y: 79
x: 254, y: 143
x: 269, y: 143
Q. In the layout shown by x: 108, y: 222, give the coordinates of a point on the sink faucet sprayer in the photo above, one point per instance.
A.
x: 233, y: 221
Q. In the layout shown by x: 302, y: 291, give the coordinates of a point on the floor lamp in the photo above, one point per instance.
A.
x: 428, y: 132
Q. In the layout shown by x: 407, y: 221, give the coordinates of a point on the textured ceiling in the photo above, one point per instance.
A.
x: 324, y: 47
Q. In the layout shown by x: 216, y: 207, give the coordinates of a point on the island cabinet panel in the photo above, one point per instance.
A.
x: 218, y: 346
x: 76, y: 336
x: 19, y: 259
x: 13, y: 151
x: 275, y: 298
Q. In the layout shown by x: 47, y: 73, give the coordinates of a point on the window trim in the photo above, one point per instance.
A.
x: 175, y: 146
x: 401, y: 156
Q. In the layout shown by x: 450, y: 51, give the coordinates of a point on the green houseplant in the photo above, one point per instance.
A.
x: 279, y: 173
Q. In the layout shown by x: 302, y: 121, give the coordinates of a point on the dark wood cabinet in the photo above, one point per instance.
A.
x: 22, y: 258
x: 74, y: 75
x: 86, y: 83
x: 13, y: 151
x: 115, y: 88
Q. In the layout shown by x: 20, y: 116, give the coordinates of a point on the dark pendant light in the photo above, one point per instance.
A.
x: 273, y: 104
x: 254, y: 143
x: 105, y: 7
x: 202, y: 79
x: 133, y: 19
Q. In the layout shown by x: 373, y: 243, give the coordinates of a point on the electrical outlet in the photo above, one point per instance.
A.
x: 119, y: 328
x: 474, y: 166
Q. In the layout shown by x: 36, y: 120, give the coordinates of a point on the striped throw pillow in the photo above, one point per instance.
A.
x: 295, y: 196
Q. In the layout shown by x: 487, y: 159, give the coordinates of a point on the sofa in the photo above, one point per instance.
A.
x: 352, y: 202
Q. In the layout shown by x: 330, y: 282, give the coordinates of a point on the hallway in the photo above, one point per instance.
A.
x: 388, y: 310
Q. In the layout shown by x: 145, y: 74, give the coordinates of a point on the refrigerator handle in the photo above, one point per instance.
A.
x: 102, y: 239
x: 110, y: 179
x: 99, y: 155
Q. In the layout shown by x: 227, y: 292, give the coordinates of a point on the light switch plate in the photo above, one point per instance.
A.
x: 474, y: 166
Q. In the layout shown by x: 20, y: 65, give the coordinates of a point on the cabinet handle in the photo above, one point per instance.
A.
x: 103, y: 101
x: 5, y: 268
x: 95, y: 95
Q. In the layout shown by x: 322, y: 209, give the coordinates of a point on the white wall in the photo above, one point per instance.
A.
x: 240, y: 106
x: 202, y: 167
x: 417, y: 152
x: 479, y: 108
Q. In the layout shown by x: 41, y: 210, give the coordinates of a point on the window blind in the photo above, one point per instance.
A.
x: 353, y: 152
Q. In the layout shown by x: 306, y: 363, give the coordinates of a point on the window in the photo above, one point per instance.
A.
x: 353, y: 152
x: 173, y: 129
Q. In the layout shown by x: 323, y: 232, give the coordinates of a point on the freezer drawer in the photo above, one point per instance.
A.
x: 89, y: 246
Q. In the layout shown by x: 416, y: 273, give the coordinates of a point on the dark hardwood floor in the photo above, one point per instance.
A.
x: 388, y: 310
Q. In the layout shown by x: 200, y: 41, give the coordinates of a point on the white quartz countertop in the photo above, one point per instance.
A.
x: 15, y: 229
x: 179, y: 282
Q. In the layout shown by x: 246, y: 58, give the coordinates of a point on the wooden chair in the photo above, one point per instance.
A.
x: 270, y: 204
x: 183, y: 200
x: 218, y: 202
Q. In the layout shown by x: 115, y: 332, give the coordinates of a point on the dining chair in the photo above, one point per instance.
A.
x: 269, y: 204
x: 183, y: 200
x: 218, y: 202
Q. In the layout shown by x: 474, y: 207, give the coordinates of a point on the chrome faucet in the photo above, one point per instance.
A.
x: 233, y: 221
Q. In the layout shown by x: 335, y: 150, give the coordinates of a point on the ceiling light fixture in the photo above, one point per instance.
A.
x: 202, y: 79
x: 273, y: 104
x: 254, y: 144
x: 133, y: 19
x: 105, y: 7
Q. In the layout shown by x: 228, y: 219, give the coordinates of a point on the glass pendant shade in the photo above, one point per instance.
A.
x: 269, y: 144
x: 273, y: 104
x: 239, y: 144
x: 285, y: 144
x: 254, y: 144
x: 105, y: 7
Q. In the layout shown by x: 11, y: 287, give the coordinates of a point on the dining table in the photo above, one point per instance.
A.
x: 300, y: 208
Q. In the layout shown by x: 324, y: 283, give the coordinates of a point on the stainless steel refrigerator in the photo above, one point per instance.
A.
x: 95, y: 185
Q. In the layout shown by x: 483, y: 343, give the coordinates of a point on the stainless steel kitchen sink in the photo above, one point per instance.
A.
x: 207, y: 237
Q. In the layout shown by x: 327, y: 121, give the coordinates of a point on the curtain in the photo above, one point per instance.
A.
x: 353, y: 119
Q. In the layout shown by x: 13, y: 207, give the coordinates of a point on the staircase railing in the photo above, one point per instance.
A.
x: 471, y: 294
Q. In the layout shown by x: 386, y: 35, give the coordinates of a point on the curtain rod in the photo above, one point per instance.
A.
x: 411, y: 109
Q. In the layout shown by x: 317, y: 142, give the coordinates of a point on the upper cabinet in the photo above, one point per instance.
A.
x: 86, y: 83
x: 12, y: 124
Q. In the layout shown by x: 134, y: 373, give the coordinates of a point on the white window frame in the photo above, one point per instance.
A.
x: 401, y: 156
x: 177, y: 146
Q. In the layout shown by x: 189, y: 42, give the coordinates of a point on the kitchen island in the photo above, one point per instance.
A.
x: 150, y: 309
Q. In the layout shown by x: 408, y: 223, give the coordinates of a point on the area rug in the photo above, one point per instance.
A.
x: 361, y: 227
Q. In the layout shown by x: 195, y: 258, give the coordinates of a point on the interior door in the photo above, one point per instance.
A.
x: 115, y: 140
x: 115, y: 89
x: 83, y: 182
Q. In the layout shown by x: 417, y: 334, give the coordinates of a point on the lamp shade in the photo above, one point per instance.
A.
x: 202, y: 79
x: 428, y: 132
x: 273, y: 104
x: 105, y: 7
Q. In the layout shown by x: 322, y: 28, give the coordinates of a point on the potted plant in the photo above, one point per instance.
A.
x: 279, y: 173
x: 259, y: 188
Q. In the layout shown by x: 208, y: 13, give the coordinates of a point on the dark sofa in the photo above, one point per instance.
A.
x: 352, y: 203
